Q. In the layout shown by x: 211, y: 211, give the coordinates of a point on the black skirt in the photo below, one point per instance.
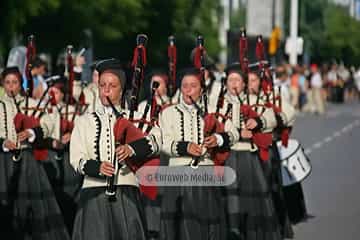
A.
x: 295, y: 203
x: 250, y: 208
x: 35, y: 211
x: 192, y: 212
x: 152, y: 213
x: 6, y: 169
x: 98, y: 218
x: 66, y: 183
x: 272, y: 170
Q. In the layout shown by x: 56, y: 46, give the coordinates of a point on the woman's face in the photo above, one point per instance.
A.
x: 12, y: 84
x: 235, y: 83
x: 190, y: 88
x: 161, y: 90
x: 58, y: 95
x: 110, y: 87
x: 254, y: 83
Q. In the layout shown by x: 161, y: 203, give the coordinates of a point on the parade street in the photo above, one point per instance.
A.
x: 331, y: 191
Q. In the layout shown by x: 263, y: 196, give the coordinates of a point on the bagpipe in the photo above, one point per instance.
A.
x: 268, y: 88
x: 126, y: 132
x: 172, y: 55
x: 250, y: 111
x: 124, y: 129
x: 23, y: 121
x: 211, y: 123
x: 138, y: 63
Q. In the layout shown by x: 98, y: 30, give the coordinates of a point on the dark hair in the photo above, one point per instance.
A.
x: 11, y: 70
x: 192, y: 72
x: 38, y: 62
x: 239, y: 72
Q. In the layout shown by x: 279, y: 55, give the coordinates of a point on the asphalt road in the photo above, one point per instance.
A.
x: 332, y: 191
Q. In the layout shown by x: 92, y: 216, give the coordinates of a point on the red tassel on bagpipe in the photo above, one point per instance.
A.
x: 243, y: 50
x: 30, y: 56
x: 140, y: 48
x: 197, y: 57
x: 136, y: 55
x: 259, y: 50
x: 82, y: 101
x: 71, y: 76
x: 172, y: 55
x: 243, y: 46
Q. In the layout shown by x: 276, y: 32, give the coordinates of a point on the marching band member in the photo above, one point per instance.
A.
x: 191, y: 212
x: 92, y: 149
x: 54, y: 133
x: 272, y: 168
x: 212, y: 85
x: 91, y: 91
x: 250, y: 208
x: 162, y: 100
x: 34, y: 209
x: 156, y: 101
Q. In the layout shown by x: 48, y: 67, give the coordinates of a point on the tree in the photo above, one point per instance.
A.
x: 114, y: 24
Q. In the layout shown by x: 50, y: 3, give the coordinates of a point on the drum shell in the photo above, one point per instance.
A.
x: 295, y: 165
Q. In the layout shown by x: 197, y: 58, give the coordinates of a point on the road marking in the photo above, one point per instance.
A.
x: 330, y: 138
x: 307, y: 151
x: 317, y: 145
x: 337, y: 134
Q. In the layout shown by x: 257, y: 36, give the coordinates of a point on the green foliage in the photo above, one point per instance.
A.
x: 113, y: 23
x: 328, y: 30
x: 238, y: 18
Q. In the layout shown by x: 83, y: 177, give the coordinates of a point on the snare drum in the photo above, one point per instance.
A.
x: 295, y: 165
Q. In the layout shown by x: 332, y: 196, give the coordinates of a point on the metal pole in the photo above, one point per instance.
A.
x: 224, y: 26
x: 293, y: 31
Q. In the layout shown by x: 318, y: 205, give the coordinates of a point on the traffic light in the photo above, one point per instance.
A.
x: 274, y: 40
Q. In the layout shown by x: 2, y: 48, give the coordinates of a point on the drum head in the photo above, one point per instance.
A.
x: 286, y: 152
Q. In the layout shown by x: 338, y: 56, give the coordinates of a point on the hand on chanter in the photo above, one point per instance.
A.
x: 123, y: 152
x: 246, y: 134
x: 194, y: 149
x: 210, y: 141
x: 107, y: 169
x: 65, y: 139
x: 9, y: 144
x: 251, y: 124
x: 22, y: 136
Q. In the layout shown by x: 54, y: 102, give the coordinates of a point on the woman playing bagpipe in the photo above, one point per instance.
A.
x: 291, y: 200
x: 192, y: 212
x: 90, y: 93
x: 212, y: 80
x: 157, y: 98
x: 110, y: 205
x: 53, y: 134
x: 31, y: 202
x: 272, y: 167
x: 250, y: 208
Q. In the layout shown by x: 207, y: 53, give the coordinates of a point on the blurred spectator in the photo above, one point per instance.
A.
x: 302, y: 87
x: 332, y: 74
x: 2, y: 91
x: 295, y: 87
x: 282, y: 80
x: 357, y: 82
x: 316, y: 84
x: 38, y: 71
